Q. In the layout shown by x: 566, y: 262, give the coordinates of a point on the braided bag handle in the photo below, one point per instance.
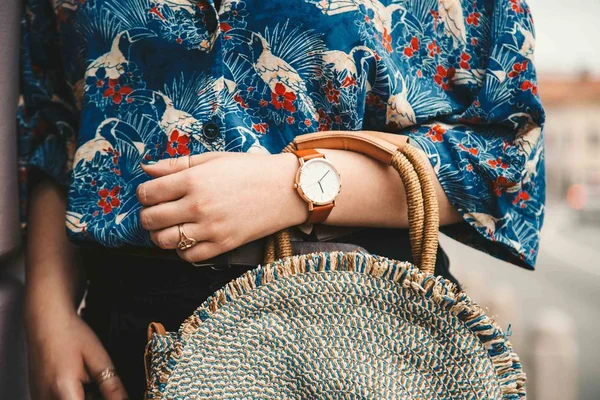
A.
x: 423, y: 211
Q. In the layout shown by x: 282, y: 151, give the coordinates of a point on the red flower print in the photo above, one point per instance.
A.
x: 518, y: 68
x: 260, y: 128
x: 372, y: 99
x: 263, y: 103
x: 474, y: 41
x: 444, y: 76
x: 470, y: 167
x: 386, y: 40
x: 290, y: 120
x: 333, y: 95
x: 433, y: 49
x: 307, y: 122
x: 109, y: 199
x: 419, y: 73
x: 516, y: 6
x: 498, y: 163
x: 501, y: 184
x: 178, y: 144
x: 238, y: 99
x: 464, y: 61
x: 203, y: 5
x: 324, y: 121
x: 527, y: 85
x: 225, y: 27
x: 436, y: 17
x: 473, y: 18
x: 115, y: 155
x: 471, y: 150
x: 349, y: 81
x: 410, y: 51
x: 281, y: 98
x: 436, y: 133
x: 522, y: 197
x: 375, y: 100
x: 116, y: 91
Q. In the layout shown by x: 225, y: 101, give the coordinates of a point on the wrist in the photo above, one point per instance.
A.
x: 294, y: 210
x: 43, y: 312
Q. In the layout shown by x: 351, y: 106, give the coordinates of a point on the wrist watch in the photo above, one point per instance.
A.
x: 318, y: 183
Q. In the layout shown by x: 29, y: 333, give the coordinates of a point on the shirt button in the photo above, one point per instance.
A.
x: 211, y: 130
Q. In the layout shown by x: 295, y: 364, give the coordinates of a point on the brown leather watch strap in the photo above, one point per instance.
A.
x: 320, y: 213
x: 308, y: 154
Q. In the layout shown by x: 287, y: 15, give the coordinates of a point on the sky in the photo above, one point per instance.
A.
x: 568, y: 35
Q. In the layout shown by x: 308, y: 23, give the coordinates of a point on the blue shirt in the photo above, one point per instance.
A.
x: 109, y: 83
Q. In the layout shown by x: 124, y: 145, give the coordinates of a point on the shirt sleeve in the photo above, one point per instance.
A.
x: 47, y: 113
x: 490, y: 158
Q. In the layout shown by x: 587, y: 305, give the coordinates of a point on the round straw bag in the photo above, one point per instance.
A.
x: 340, y: 325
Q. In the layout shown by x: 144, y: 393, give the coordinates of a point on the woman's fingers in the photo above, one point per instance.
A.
x: 201, y: 252
x: 170, y: 237
x: 97, y: 360
x: 166, y: 214
x: 173, y: 165
x: 163, y: 189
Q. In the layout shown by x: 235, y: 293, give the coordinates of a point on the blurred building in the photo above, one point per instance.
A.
x: 572, y: 135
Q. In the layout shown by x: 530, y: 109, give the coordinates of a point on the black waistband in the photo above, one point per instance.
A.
x: 144, y: 274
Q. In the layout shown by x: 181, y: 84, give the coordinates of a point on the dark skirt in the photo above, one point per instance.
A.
x: 127, y: 292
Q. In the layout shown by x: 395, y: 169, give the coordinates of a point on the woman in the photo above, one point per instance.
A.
x: 155, y: 127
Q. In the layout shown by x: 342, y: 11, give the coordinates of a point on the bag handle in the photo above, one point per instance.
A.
x: 423, y: 211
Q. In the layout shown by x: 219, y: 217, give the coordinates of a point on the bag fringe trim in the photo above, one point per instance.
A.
x: 444, y: 293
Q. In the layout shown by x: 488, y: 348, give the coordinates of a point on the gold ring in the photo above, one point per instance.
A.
x: 108, y: 373
x: 185, y: 242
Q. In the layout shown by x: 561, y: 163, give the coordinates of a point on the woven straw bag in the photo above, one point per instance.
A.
x: 340, y: 325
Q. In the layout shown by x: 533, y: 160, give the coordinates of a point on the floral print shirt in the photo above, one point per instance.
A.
x: 109, y: 83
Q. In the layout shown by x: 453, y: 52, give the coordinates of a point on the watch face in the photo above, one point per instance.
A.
x: 319, y: 181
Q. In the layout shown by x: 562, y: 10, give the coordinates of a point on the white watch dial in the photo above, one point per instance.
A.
x: 319, y: 181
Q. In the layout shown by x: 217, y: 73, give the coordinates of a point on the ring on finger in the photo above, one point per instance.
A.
x: 105, y: 375
x: 185, y: 242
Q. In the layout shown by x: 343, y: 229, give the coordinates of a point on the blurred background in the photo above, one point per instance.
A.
x: 554, y: 312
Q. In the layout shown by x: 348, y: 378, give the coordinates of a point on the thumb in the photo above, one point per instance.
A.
x: 97, y: 360
x: 170, y: 166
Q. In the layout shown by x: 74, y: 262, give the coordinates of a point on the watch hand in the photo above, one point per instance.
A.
x: 324, y: 175
x: 322, y: 191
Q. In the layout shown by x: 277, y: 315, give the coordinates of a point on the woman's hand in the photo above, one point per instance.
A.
x: 63, y: 351
x: 64, y: 354
x: 224, y: 200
